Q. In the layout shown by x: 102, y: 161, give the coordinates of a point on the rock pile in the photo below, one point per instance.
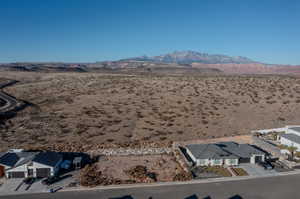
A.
x: 141, y: 174
x: 90, y: 176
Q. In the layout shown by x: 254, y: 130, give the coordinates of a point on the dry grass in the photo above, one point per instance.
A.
x: 88, y: 110
x: 221, y: 171
x: 164, y: 166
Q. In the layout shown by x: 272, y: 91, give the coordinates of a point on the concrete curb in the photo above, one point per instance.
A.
x: 132, y: 186
x: 204, y: 181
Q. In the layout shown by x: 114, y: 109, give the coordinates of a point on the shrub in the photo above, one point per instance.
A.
x: 142, y: 174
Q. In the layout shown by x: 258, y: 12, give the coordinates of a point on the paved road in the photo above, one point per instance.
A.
x: 10, y: 102
x: 279, y: 187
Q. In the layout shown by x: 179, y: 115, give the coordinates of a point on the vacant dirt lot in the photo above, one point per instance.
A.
x: 81, y: 111
x: 164, y: 166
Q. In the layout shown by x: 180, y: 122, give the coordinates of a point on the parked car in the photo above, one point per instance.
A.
x: 50, y: 180
x: 266, y: 165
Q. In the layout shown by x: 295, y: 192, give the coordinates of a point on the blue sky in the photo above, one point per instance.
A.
x: 96, y: 30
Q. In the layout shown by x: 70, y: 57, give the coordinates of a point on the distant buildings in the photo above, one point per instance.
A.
x: 224, y: 153
x: 291, y: 137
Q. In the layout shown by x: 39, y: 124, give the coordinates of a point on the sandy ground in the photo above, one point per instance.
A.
x: 241, y: 139
x: 163, y: 165
x: 91, y: 110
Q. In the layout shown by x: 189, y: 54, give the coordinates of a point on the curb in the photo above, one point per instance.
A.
x: 205, y: 181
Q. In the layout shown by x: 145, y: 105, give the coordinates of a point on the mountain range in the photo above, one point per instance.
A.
x: 178, y: 61
x: 188, y: 57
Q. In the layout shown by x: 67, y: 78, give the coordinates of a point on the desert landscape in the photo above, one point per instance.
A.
x: 85, y: 111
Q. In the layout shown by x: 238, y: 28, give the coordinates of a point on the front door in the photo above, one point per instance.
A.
x: 258, y: 159
x: 30, y: 172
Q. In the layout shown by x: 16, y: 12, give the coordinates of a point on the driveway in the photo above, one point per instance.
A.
x: 10, y: 185
x: 256, y: 170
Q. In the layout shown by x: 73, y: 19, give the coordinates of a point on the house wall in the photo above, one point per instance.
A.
x: 38, y: 166
x: 191, y: 156
x: 252, y: 159
x: 288, y: 142
x: 202, y: 162
x: 212, y: 162
x: 216, y: 162
x: 22, y: 168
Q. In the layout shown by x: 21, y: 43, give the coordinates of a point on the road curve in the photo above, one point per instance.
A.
x: 10, y: 102
x: 277, y: 187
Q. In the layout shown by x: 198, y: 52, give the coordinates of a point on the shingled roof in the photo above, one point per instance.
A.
x: 14, y: 159
x: 48, y: 158
x: 223, y: 150
x: 292, y: 137
x: 206, y: 151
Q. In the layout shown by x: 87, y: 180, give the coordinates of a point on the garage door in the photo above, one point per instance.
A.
x: 43, y: 172
x: 244, y: 160
x: 16, y: 174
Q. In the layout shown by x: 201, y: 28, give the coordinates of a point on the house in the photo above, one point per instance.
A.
x: 291, y: 137
x: 20, y: 164
x: 224, y: 153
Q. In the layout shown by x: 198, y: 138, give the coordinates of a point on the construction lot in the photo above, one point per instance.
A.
x: 132, y: 169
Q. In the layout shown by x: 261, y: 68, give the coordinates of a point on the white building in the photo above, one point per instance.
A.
x: 291, y: 137
x: 224, y: 153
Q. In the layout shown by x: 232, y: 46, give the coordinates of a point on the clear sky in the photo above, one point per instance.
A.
x: 96, y: 30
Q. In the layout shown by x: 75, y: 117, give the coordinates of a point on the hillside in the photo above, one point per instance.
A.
x: 82, y: 111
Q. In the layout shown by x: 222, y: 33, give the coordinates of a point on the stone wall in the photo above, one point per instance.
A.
x: 126, y: 151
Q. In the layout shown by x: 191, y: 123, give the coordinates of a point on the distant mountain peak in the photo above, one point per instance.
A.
x: 189, y: 56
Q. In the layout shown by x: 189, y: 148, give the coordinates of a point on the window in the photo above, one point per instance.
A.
x: 217, y: 161
x: 232, y: 161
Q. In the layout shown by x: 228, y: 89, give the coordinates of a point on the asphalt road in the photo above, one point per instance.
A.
x: 279, y: 187
x: 10, y: 102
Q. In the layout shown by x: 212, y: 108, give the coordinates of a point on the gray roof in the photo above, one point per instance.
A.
x: 14, y: 159
x: 296, y: 128
x: 292, y: 137
x: 48, y: 158
x: 240, y: 150
x: 223, y: 150
x: 205, y: 151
